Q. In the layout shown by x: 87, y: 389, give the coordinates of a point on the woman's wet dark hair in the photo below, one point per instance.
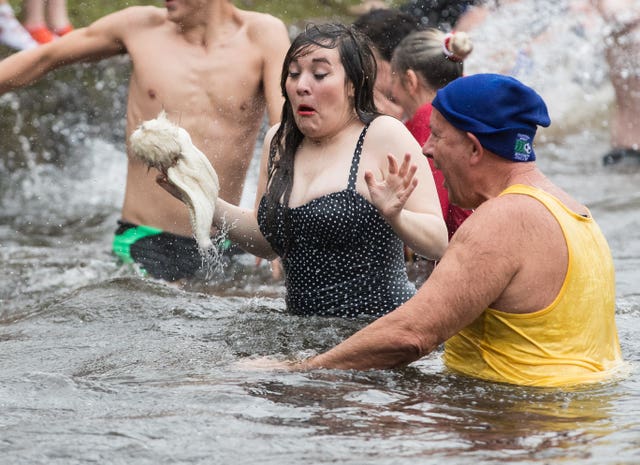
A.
x: 359, y: 64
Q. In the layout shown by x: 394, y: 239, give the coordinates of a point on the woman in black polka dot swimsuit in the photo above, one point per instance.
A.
x: 339, y: 255
x: 334, y: 203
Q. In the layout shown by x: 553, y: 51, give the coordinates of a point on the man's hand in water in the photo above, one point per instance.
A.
x: 274, y: 364
x: 267, y: 364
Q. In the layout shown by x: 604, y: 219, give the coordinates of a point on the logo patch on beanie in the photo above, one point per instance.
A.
x: 523, y: 149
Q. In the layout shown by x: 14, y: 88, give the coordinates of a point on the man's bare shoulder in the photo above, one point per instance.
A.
x: 147, y: 14
x: 480, y: 262
x: 490, y: 242
x: 503, y: 222
x: 258, y: 19
x: 261, y: 25
x: 136, y: 18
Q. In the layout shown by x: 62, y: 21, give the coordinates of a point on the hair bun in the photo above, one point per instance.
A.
x: 457, y: 46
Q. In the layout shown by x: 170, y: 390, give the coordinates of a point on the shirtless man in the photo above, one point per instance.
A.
x: 213, y: 68
x: 525, y: 292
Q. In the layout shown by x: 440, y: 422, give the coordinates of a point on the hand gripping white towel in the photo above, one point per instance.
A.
x: 163, y: 145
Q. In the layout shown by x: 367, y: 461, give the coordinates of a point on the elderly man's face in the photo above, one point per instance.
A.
x: 450, y: 149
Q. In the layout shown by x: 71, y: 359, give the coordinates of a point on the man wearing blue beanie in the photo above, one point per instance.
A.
x: 525, y: 292
x: 500, y: 111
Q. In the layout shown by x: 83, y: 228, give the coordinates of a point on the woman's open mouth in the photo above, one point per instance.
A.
x: 305, y: 110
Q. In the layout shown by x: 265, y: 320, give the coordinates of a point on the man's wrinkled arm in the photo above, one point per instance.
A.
x: 473, y: 273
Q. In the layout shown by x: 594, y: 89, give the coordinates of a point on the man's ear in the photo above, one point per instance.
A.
x: 477, y: 151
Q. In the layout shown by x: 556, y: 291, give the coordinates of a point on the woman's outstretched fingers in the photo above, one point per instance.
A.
x: 369, y: 178
x: 393, y: 163
x: 410, y: 178
x: 406, y: 164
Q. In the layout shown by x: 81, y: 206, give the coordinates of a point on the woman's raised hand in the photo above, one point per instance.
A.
x: 390, y: 194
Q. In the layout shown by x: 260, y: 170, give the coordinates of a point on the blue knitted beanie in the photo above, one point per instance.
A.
x: 500, y: 111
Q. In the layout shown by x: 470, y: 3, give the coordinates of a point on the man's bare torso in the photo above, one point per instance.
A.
x: 214, y: 91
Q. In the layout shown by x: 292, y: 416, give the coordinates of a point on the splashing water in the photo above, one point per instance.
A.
x: 557, y: 48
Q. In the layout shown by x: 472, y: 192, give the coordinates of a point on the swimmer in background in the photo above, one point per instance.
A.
x: 385, y: 28
x: 46, y: 20
x: 622, y: 18
x: 445, y: 15
x: 616, y: 23
x: 213, y: 68
x: 341, y: 187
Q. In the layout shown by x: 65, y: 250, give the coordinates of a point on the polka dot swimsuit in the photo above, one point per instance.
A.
x: 342, y: 258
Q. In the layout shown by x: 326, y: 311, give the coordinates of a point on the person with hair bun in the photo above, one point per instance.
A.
x: 422, y: 63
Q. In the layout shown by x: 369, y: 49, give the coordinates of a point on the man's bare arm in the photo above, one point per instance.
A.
x: 102, y: 39
x: 472, y: 274
x: 275, y: 43
x: 263, y: 172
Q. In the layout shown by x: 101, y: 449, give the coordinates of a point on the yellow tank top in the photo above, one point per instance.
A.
x: 574, y: 340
